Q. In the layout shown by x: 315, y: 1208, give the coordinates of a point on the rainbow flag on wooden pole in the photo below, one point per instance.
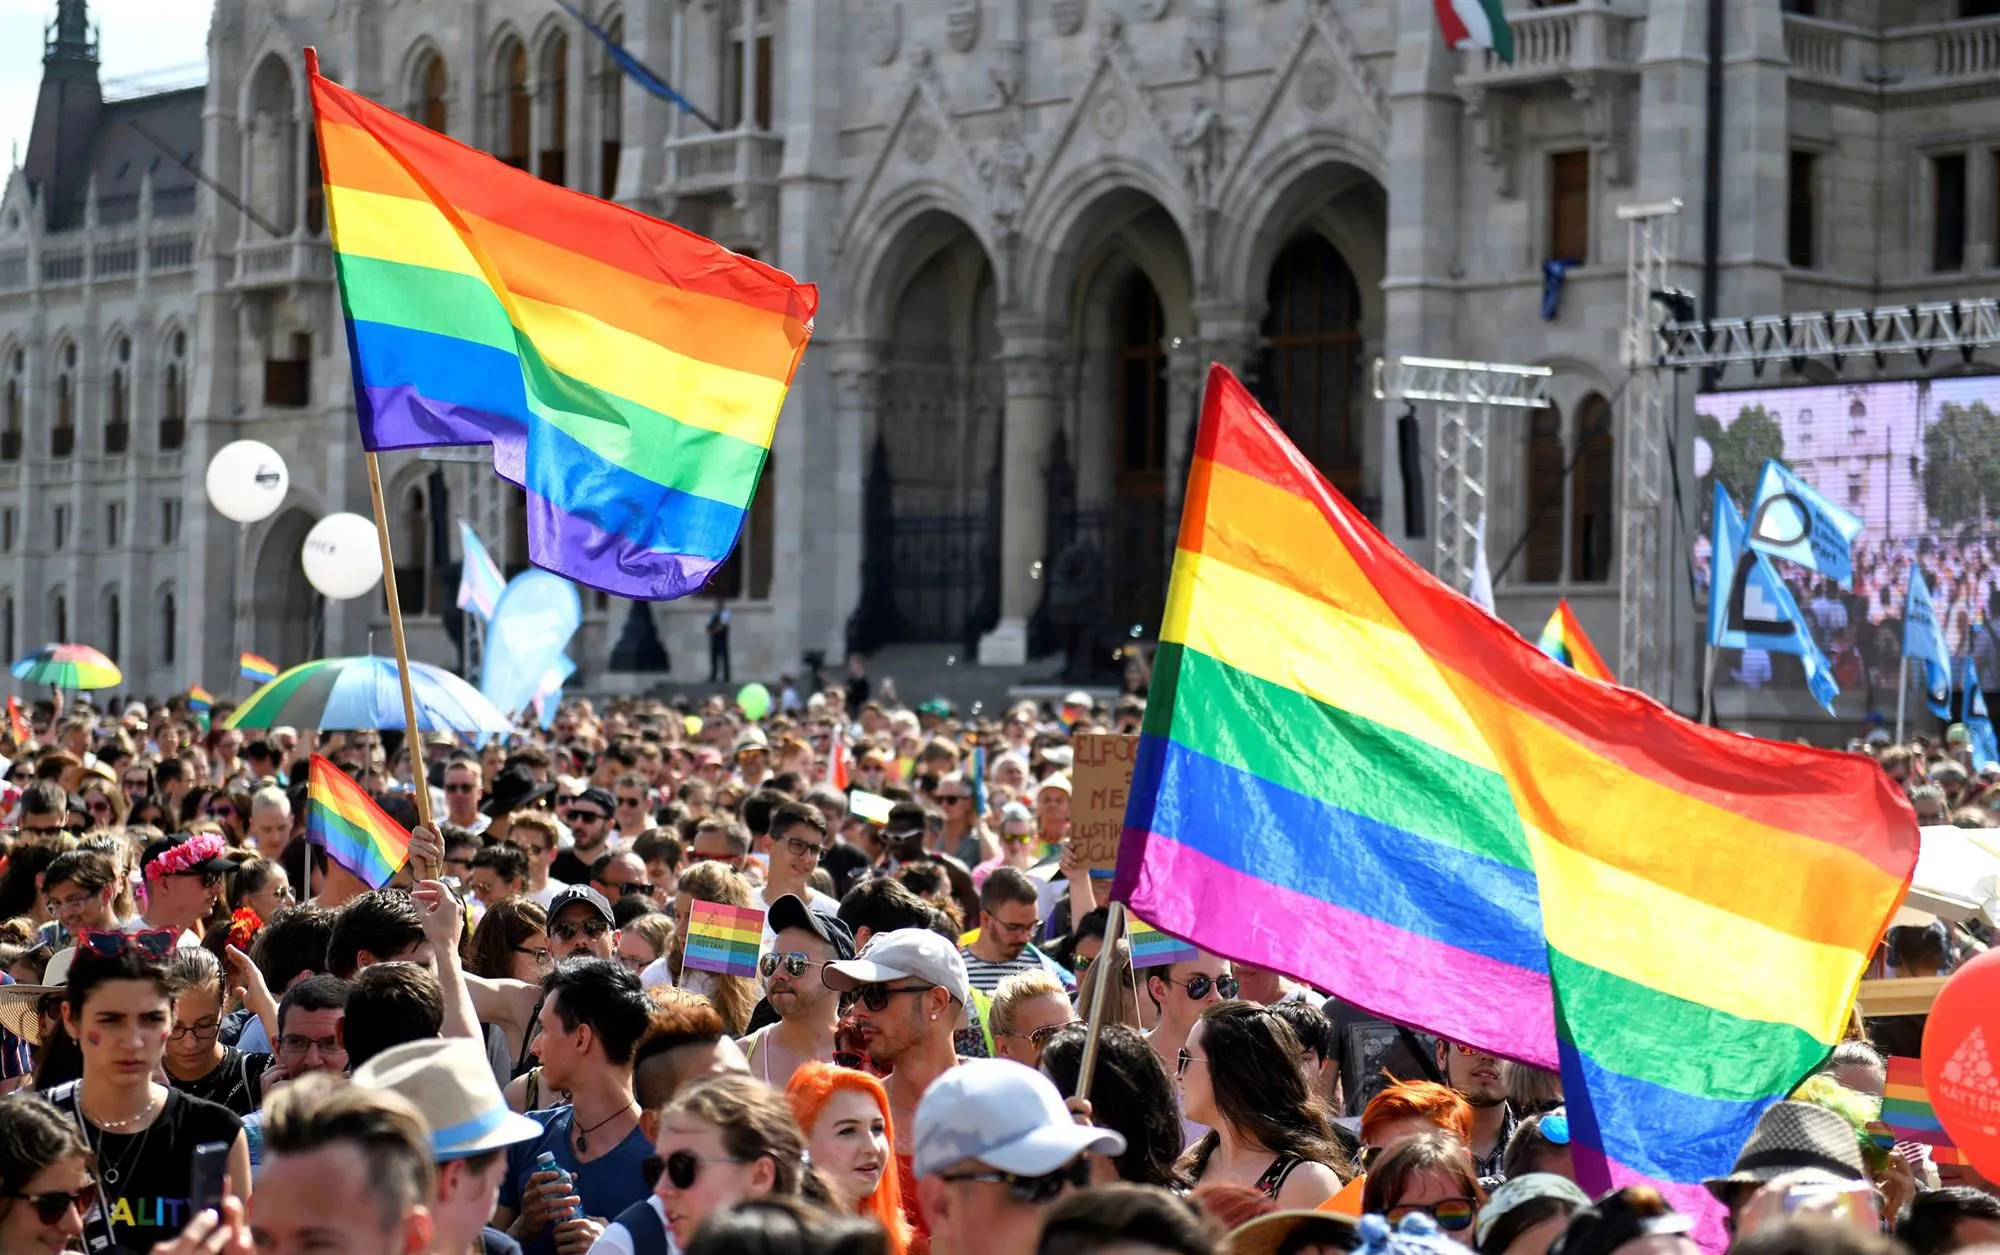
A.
x: 357, y: 834
x: 1458, y: 833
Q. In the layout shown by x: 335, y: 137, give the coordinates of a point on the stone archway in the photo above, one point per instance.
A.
x: 284, y: 609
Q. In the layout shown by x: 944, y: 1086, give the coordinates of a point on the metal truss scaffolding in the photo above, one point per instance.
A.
x: 1793, y: 339
x: 1464, y: 394
x: 1642, y: 442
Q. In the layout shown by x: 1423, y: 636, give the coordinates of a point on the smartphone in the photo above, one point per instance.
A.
x: 208, y: 1181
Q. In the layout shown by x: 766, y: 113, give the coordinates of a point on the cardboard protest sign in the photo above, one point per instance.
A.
x: 1103, y: 779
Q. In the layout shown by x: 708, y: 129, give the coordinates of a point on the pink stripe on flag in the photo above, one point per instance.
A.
x: 1391, y: 973
x: 1689, y: 1199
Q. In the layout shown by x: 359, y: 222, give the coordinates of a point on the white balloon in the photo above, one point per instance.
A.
x: 247, y: 481
x: 342, y: 556
x: 1704, y: 457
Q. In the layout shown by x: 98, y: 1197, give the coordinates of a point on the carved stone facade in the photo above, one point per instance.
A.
x: 1033, y: 223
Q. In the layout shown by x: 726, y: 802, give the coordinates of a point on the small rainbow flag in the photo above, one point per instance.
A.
x: 1153, y: 948
x: 723, y: 939
x: 17, y: 723
x: 199, y: 698
x: 626, y: 372
x: 344, y: 821
x: 256, y: 668
x: 1564, y: 641
x: 1906, y: 1109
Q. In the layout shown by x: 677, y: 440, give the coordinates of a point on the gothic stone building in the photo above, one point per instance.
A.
x: 1034, y: 223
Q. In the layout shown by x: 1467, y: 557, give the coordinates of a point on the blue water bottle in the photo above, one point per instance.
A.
x: 546, y: 1162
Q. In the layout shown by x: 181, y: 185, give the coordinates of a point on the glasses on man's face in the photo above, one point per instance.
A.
x: 204, y: 1031
x: 575, y: 817
x: 52, y: 1205
x: 1452, y: 1214
x: 75, y: 902
x: 570, y: 929
x: 802, y: 848
x: 298, y: 1044
x: 876, y: 997
x: 1018, y: 932
x: 1197, y: 986
x: 1033, y: 1191
x: 137, y: 784
x: 620, y: 888
x: 796, y: 964
x: 948, y: 799
x: 633, y: 803
x: 460, y: 786
x: 682, y: 1168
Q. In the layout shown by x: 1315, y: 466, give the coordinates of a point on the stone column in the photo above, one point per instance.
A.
x: 1027, y: 363
x: 831, y: 584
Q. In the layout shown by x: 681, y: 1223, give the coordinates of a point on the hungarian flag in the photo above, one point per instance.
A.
x: 1476, y: 24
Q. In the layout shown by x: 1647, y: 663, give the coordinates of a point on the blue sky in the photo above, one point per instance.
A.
x: 138, y: 37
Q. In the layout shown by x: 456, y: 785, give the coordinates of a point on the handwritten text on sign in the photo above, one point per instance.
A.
x: 1103, y: 779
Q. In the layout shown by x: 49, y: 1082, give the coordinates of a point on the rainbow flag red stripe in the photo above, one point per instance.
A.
x: 342, y: 819
x: 1456, y: 832
x: 627, y: 373
x: 723, y: 938
x: 1564, y: 641
x: 257, y: 668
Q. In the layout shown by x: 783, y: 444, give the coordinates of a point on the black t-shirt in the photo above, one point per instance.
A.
x: 572, y: 870
x: 145, y: 1178
x: 847, y: 865
x: 233, y: 1084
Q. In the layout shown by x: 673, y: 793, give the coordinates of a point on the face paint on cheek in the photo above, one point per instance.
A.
x: 94, y: 1037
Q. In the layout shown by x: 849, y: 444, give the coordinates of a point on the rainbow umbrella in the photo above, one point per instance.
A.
x: 342, y: 694
x: 69, y: 667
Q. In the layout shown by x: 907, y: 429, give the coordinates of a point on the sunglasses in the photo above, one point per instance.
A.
x: 584, y: 817
x: 568, y: 930
x: 461, y: 788
x: 1042, y: 1036
x: 1017, y: 838
x: 632, y: 801
x: 876, y: 997
x: 1034, y: 1190
x: 1198, y: 986
x: 682, y: 1168
x: 1182, y: 1061
x: 157, y: 942
x: 796, y: 963
x: 946, y: 799
x: 54, y: 1205
x: 1451, y: 1214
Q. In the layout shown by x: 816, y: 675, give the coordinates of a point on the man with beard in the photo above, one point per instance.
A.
x: 910, y: 991
x: 808, y: 1011
x: 1481, y: 1080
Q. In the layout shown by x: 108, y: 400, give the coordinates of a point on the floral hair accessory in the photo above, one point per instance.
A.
x: 185, y: 857
x: 244, y: 924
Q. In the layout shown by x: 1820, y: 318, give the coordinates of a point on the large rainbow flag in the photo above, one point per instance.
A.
x: 357, y: 834
x: 1454, y: 831
x: 627, y: 372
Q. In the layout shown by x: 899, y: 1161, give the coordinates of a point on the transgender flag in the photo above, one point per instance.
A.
x: 479, y: 581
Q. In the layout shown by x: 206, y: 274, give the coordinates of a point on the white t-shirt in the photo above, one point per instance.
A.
x: 617, y: 1239
x: 816, y: 902
x: 548, y: 892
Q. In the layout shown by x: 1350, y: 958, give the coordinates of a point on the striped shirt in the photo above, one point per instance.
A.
x: 986, y: 976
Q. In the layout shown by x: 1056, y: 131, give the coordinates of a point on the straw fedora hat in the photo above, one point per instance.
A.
x: 20, y: 1005
x: 451, y: 1082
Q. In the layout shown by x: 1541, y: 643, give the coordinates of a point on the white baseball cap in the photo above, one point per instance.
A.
x: 903, y: 954
x: 1005, y: 1116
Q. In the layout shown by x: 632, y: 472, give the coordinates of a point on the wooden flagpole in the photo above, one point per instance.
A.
x: 412, y: 739
x: 1108, y: 973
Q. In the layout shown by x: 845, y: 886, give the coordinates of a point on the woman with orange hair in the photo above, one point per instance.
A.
x: 845, y: 1115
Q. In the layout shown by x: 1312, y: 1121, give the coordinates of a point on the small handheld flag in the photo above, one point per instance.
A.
x: 837, y: 774
x: 199, y: 699
x: 256, y: 668
x: 872, y: 807
x: 1906, y: 1109
x: 723, y: 939
x: 357, y: 834
x: 1564, y: 641
x: 1153, y: 948
x: 479, y: 580
x: 17, y: 723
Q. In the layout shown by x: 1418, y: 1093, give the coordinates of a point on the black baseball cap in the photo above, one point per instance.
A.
x: 790, y: 912
x: 586, y: 895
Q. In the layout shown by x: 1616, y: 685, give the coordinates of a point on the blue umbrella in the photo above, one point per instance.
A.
x: 341, y: 694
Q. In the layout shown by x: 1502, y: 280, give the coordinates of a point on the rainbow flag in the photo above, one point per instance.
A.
x: 1564, y: 641
x: 1458, y: 833
x: 723, y: 939
x: 1906, y: 1109
x: 256, y: 668
x: 627, y: 372
x: 199, y: 698
x: 355, y: 833
x: 1153, y: 948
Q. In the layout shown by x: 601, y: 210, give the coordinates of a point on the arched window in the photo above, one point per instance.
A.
x: 1590, y: 494
x: 1567, y: 504
x: 170, y: 626
x: 113, y: 624
x: 117, y: 417
x: 432, y: 105
x: 1542, y: 507
x: 413, y: 553
x: 173, y: 392
x: 1311, y: 367
x: 14, y: 399
x: 59, y: 616
x: 611, y: 116
x: 62, y: 438
x: 516, y: 138
x: 554, y: 91
x: 746, y: 102
x: 1142, y: 389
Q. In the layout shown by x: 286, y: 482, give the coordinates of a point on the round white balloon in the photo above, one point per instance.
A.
x: 247, y: 481
x: 342, y: 556
x: 1704, y: 458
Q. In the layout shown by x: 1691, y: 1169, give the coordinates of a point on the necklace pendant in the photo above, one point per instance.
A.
x: 582, y: 1144
x: 110, y: 1176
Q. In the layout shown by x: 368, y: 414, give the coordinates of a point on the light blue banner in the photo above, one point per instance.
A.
x: 1923, y: 640
x: 1792, y: 521
x: 531, y: 627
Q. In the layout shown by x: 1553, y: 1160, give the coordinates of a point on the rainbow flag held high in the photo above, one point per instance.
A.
x: 1906, y: 1109
x: 199, y: 698
x: 626, y: 372
x: 344, y: 821
x: 1564, y: 641
x: 1153, y: 948
x: 256, y: 668
x: 723, y: 939
x: 1458, y: 833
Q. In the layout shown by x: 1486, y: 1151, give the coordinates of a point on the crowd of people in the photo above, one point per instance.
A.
x: 218, y: 1040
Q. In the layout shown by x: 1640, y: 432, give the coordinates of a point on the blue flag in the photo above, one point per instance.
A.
x: 537, y: 616
x: 636, y: 70
x: 1985, y: 746
x: 1790, y: 520
x: 1749, y: 607
x: 1923, y: 640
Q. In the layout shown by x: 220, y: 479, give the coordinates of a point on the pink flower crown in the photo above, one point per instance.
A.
x: 186, y: 856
